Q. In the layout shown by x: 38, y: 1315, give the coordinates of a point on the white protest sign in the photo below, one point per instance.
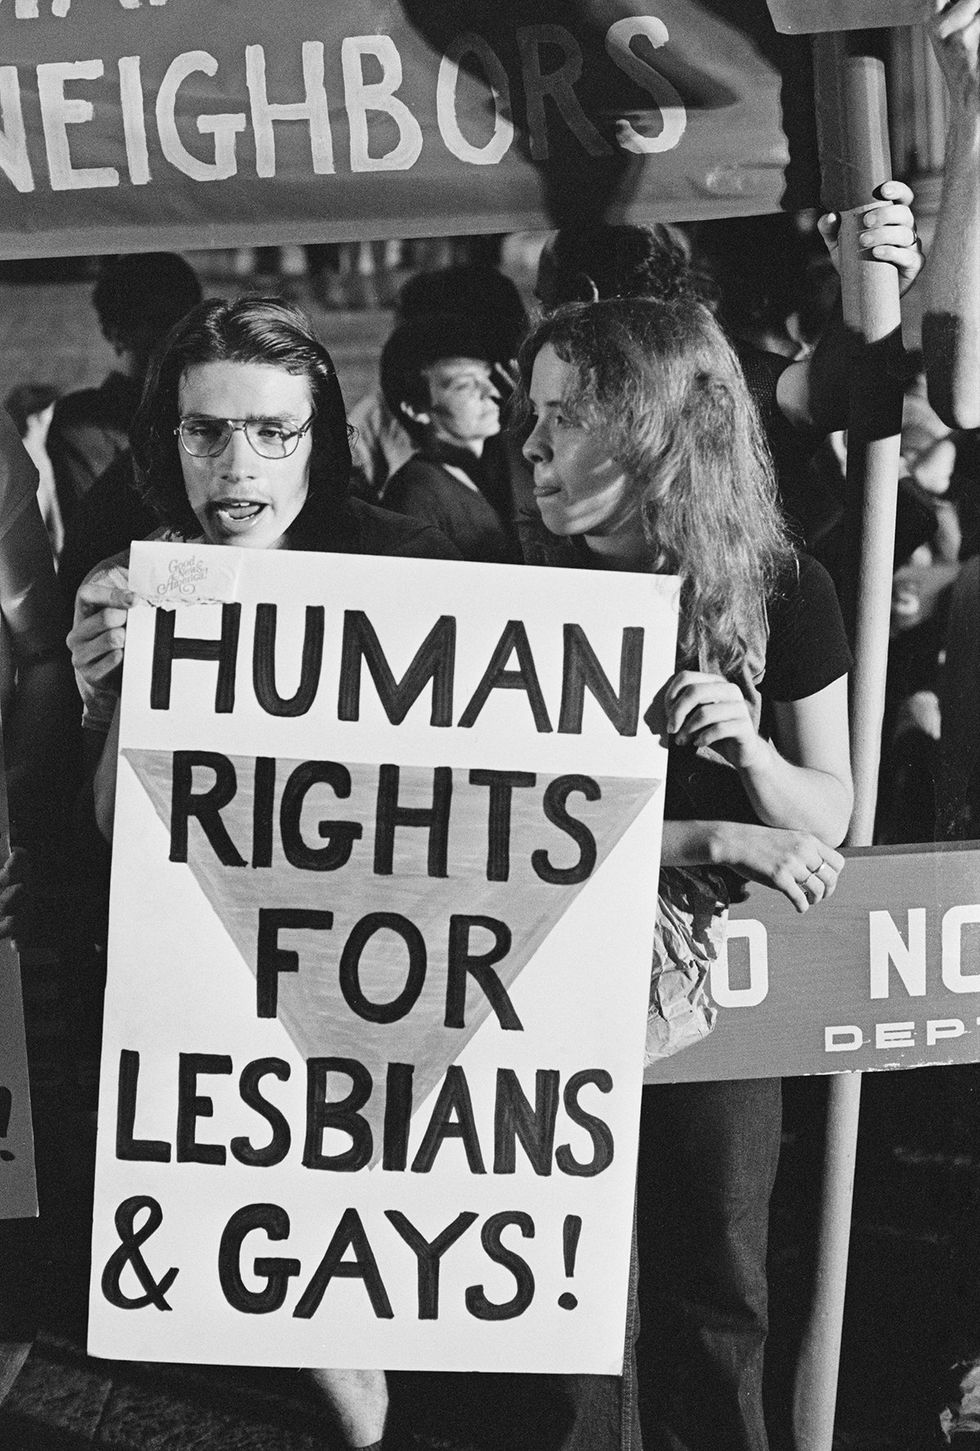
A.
x: 385, y: 858
x: 18, y: 1190
x: 18, y: 1186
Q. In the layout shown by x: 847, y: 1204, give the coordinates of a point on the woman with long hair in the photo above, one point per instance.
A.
x: 241, y: 438
x: 648, y: 456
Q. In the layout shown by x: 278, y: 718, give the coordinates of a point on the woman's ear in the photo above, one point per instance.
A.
x: 415, y: 415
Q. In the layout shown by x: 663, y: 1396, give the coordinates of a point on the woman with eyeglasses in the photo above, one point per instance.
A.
x: 241, y: 438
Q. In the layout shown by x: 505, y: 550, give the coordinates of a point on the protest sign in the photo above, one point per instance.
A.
x: 172, y: 124
x: 18, y: 1189
x: 384, y: 866
x: 885, y: 974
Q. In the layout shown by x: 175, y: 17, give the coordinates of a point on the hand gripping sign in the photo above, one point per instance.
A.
x: 384, y: 866
x: 886, y: 974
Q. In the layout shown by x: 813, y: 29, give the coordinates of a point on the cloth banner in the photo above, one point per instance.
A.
x: 130, y: 125
x: 386, y: 846
x: 886, y: 974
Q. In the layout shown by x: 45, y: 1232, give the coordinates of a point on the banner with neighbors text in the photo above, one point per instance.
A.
x: 131, y: 125
x: 386, y: 844
x: 885, y: 974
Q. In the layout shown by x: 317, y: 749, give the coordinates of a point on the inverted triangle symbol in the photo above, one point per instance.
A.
x: 311, y: 1006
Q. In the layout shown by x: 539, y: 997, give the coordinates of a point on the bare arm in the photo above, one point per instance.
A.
x: 97, y: 642
x: 951, y: 322
x: 800, y: 787
x: 813, y: 391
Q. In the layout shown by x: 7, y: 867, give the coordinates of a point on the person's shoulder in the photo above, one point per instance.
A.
x: 18, y: 474
x: 803, y: 577
x: 382, y: 531
x: 417, y: 472
x: 110, y: 403
x: 758, y: 364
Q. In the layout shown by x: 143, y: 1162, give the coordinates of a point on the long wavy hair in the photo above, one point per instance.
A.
x: 660, y: 382
x: 266, y: 330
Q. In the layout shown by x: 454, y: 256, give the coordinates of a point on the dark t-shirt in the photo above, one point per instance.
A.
x: 792, y: 447
x: 467, y: 498
x: 806, y: 651
x: 807, y: 648
x: 88, y: 431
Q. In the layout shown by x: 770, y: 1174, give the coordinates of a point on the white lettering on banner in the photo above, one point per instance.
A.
x: 370, y: 105
x: 30, y: 9
x: 894, y: 1035
x: 886, y: 945
x: 558, y: 85
x: 15, y: 160
x: 58, y: 112
x: 223, y: 127
x: 313, y: 109
x: 134, y: 121
x: 847, y: 1037
x: 619, y: 38
x: 362, y: 96
x: 938, y: 1028
x: 953, y: 975
x: 755, y: 991
x: 843, y: 1039
x: 469, y: 44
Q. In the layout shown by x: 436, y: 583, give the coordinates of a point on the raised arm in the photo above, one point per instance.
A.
x: 813, y: 391
x: 97, y: 642
x: 951, y: 321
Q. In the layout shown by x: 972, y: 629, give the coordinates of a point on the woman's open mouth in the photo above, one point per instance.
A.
x: 236, y: 512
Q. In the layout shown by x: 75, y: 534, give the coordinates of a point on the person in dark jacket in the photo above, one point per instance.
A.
x: 437, y: 377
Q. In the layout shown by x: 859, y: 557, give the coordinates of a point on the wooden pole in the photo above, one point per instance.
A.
x: 855, y: 158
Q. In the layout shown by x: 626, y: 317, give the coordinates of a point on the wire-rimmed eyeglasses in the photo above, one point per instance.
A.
x: 209, y: 437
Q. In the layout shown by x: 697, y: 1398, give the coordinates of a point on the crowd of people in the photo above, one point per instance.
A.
x: 674, y: 403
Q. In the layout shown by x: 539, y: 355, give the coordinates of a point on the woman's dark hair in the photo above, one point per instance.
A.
x: 417, y: 344
x: 619, y: 261
x: 477, y: 291
x: 266, y: 330
x: 140, y: 296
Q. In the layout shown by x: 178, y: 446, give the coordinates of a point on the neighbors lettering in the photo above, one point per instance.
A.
x: 145, y: 110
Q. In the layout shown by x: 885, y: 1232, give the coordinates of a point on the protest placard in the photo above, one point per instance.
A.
x: 18, y: 1187
x: 384, y: 867
x: 18, y: 1190
x: 172, y: 124
x: 885, y: 974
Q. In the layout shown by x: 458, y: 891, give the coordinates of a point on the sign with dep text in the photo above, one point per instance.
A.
x: 885, y: 974
x: 385, y: 857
